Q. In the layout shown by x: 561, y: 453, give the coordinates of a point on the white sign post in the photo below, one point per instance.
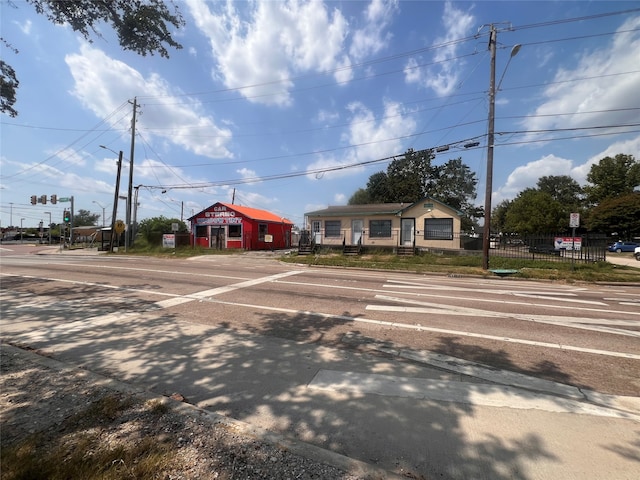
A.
x: 574, y: 222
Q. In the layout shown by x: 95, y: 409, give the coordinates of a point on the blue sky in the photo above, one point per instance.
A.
x: 293, y: 105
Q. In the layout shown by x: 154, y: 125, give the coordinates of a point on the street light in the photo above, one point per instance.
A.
x: 100, y: 205
x: 486, y: 233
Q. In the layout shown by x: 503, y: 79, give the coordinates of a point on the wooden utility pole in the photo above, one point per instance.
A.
x: 486, y: 233
x: 128, y: 238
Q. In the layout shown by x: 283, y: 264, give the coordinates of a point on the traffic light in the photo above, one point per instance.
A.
x: 54, y: 199
x: 43, y: 199
x: 34, y: 199
x: 66, y: 216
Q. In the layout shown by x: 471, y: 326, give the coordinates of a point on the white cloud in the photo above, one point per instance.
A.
x: 159, y: 173
x: 628, y: 147
x: 603, y: 87
x: 278, y: 40
x: 103, y: 84
x: 24, y: 27
x: 458, y: 24
x: 261, y: 49
x: 374, y: 36
x: 371, y: 139
x: 248, y: 174
x: 526, y: 176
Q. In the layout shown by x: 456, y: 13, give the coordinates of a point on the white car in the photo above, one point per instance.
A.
x: 636, y: 253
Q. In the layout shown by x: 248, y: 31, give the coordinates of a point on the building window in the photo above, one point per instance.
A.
x: 202, y: 231
x: 332, y: 228
x: 262, y: 231
x: 380, y: 228
x: 438, y: 228
x: 235, y: 231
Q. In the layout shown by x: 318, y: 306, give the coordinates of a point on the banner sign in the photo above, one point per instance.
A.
x: 567, y: 243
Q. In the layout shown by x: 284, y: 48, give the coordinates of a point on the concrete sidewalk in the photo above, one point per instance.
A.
x: 410, y: 413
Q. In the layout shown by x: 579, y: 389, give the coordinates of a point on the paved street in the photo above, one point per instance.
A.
x: 427, y: 375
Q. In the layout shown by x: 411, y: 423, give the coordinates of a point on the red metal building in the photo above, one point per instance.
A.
x: 225, y: 225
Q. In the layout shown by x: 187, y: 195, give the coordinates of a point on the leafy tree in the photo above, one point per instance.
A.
x: 612, y: 177
x: 360, y: 197
x: 499, y: 217
x: 378, y: 188
x: 617, y: 215
x: 8, y: 86
x: 142, y: 26
x: 564, y: 189
x: 152, y: 229
x: 533, y: 211
x: 411, y: 176
x: 84, y: 218
x: 455, y: 184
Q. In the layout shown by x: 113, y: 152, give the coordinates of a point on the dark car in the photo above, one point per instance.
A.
x: 548, y: 249
x: 623, y: 247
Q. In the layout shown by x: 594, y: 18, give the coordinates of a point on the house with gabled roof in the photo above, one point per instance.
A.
x: 425, y: 224
x: 226, y: 225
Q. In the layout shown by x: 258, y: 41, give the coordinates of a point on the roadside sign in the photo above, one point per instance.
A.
x: 574, y: 220
x: 168, y: 240
x: 119, y: 227
x: 568, y: 243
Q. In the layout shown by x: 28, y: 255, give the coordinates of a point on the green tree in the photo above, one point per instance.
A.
x: 564, y: 189
x: 84, y: 218
x: 499, y: 217
x: 612, y: 177
x: 378, y: 188
x: 533, y: 211
x: 8, y: 86
x: 411, y: 176
x: 360, y: 197
x: 152, y: 229
x: 454, y: 184
x: 142, y: 26
x: 617, y: 215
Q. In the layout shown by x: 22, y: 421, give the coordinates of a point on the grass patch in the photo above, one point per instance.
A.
x: 87, y: 445
x: 455, y: 264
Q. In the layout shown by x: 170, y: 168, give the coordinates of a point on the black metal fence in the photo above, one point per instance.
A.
x: 586, y: 248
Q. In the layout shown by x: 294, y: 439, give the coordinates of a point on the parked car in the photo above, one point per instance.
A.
x: 636, y: 252
x: 548, y: 249
x: 623, y: 247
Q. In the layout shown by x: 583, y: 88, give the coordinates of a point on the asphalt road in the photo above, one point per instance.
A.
x: 427, y: 375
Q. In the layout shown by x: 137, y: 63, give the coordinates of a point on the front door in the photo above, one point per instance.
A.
x: 356, y: 231
x: 407, y: 232
x: 218, y: 238
x: 317, y: 234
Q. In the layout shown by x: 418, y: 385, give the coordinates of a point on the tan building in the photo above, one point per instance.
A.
x: 422, y: 225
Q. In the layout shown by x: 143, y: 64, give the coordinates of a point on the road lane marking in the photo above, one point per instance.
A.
x: 422, y: 328
x: 499, y: 396
x: 225, y: 289
x: 600, y: 325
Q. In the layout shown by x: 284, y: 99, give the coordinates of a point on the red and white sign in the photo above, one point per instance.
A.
x: 567, y: 243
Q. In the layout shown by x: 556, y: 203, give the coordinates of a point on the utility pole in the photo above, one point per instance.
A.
x: 486, y: 233
x: 115, y: 203
x: 128, y: 238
